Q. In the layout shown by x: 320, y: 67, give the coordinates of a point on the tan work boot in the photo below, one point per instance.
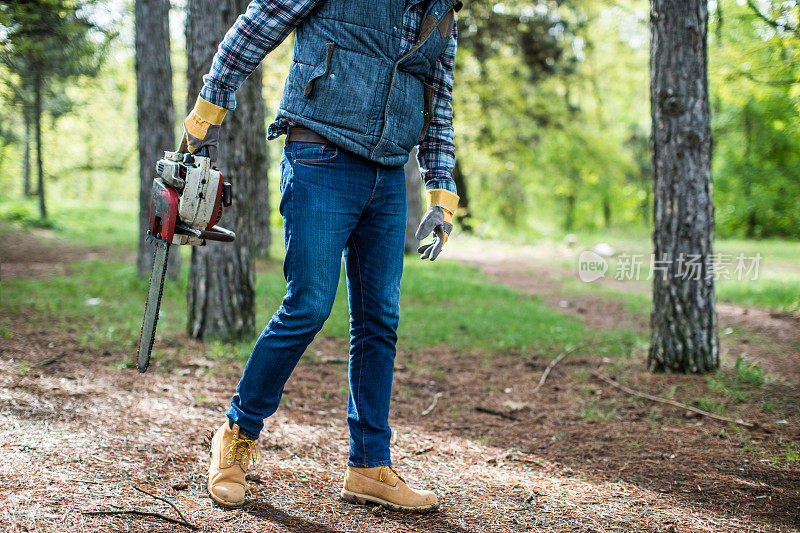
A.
x: 384, y: 486
x: 230, y: 456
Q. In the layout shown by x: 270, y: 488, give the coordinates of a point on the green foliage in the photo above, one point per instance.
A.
x: 46, y: 45
x: 552, y: 122
x: 47, y: 41
x: 596, y: 410
x: 750, y: 374
x: 792, y: 453
x: 711, y: 405
x: 25, y: 216
x: 755, y: 85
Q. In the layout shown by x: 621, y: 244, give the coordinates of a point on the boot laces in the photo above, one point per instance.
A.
x: 395, y: 472
x: 240, y: 451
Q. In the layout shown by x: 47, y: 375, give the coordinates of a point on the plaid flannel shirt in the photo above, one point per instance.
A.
x: 266, y: 24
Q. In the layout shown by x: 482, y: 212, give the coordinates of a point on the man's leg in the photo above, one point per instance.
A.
x: 374, y: 261
x: 321, y: 200
x: 374, y: 264
x: 323, y: 191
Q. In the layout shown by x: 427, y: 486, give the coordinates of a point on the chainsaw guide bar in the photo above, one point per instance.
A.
x: 153, y: 304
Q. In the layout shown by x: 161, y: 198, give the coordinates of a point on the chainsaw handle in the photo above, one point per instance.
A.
x: 218, y: 233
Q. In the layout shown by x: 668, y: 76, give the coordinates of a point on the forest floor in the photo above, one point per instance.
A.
x: 78, y: 430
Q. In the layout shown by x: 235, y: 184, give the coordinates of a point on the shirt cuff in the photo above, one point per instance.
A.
x: 441, y: 183
x: 218, y: 97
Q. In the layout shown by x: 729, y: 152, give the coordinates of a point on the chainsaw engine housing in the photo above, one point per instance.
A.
x: 187, y: 200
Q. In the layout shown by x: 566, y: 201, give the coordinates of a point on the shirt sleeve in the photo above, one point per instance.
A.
x: 257, y: 32
x: 437, y: 153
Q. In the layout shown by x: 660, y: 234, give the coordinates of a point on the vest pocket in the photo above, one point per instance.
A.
x: 320, y: 71
x: 344, y: 92
x: 427, y: 112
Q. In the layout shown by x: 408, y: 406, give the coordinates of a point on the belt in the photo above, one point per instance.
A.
x: 299, y: 133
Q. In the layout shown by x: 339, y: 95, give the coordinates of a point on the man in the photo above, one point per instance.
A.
x: 370, y: 79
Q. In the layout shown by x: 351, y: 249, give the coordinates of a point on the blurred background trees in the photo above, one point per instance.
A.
x: 551, y: 103
x: 46, y: 45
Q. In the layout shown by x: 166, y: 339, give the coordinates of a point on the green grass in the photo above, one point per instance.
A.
x: 777, y: 286
x: 779, y: 292
x: 792, y: 453
x: 596, y: 410
x: 101, y: 302
x: 93, y: 225
x: 442, y: 304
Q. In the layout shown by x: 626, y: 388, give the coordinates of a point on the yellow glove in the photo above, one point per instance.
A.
x: 442, y: 204
x: 201, y: 128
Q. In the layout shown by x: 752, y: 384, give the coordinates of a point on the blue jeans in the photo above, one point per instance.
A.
x: 333, y: 201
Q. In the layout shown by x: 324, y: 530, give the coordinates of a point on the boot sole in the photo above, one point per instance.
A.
x: 224, y: 503
x: 366, y: 499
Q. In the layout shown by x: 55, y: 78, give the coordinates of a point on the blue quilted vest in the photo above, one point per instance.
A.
x: 350, y: 83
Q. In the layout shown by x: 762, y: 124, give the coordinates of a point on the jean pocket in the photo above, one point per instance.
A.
x: 308, y: 152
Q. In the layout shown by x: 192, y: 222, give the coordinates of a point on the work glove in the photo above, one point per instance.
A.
x: 201, y: 128
x: 437, y: 219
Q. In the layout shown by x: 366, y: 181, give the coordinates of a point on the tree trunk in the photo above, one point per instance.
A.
x: 569, y: 212
x: 462, y: 215
x: 155, y: 114
x: 683, y: 319
x: 413, y: 202
x: 37, y: 123
x: 259, y: 167
x: 221, y: 282
x: 26, y: 156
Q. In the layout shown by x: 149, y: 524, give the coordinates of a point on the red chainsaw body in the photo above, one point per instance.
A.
x: 163, y: 211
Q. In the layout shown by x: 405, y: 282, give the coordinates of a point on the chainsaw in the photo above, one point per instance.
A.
x: 185, y: 205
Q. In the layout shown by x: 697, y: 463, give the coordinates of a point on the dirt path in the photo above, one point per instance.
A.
x: 78, y: 433
x: 769, y: 339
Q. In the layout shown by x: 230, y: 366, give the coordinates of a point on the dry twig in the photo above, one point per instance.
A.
x: 553, y: 363
x: 670, y: 402
x: 430, y: 408
x: 163, y: 500
x: 141, y: 513
x: 182, y: 521
x: 49, y: 360
x: 501, y: 414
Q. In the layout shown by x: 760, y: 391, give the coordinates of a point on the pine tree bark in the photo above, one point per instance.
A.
x: 221, y: 293
x: 259, y: 167
x: 37, y: 124
x: 262, y: 238
x: 413, y: 202
x: 155, y: 113
x: 683, y: 318
x: 463, y: 214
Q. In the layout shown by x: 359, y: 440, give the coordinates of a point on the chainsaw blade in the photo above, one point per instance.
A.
x: 152, y: 305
